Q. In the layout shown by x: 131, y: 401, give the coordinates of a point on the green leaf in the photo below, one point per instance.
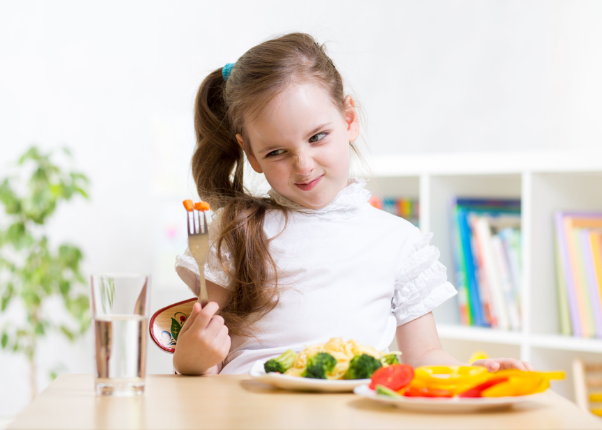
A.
x: 4, y: 340
x: 39, y: 329
x: 175, y: 328
x: 7, y: 296
x: 68, y: 333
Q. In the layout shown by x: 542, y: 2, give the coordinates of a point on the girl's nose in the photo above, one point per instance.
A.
x: 304, y: 164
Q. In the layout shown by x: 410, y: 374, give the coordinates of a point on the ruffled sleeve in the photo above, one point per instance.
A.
x: 188, y: 271
x: 421, y: 282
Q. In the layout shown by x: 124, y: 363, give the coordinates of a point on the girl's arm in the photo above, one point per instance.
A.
x: 419, y: 343
x: 203, y: 342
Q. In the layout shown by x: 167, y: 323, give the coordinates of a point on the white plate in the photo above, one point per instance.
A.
x: 296, y: 383
x: 440, y: 404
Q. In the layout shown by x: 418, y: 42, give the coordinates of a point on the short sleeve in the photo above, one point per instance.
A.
x: 421, y: 282
x: 188, y: 270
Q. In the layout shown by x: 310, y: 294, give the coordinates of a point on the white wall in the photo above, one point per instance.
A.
x: 116, y: 82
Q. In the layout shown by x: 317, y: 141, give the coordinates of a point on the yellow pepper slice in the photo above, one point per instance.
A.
x: 456, y: 379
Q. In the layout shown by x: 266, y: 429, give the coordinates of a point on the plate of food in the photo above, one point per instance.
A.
x: 334, y: 366
x: 454, y: 388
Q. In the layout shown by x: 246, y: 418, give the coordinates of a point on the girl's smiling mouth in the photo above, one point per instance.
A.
x: 309, y: 185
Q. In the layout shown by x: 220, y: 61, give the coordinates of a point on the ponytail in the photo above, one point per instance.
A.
x: 217, y: 168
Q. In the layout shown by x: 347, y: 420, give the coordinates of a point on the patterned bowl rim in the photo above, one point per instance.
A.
x: 152, y: 323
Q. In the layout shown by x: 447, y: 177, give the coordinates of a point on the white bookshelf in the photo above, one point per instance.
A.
x: 545, y: 182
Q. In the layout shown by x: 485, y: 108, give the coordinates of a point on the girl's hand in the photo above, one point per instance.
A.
x: 203, y: 341
x: 495, y: 364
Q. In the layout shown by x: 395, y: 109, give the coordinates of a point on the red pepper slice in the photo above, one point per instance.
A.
x: 394, y: 377
x: 414, y: 391
x: 477, y: 390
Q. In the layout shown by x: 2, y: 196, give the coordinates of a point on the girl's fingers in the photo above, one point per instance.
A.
x: 213, y: 328
x: 205, y: 315
x: 495, y: 364
x: 225, y: 349
x: 529, y: 366
x: 190, y: 321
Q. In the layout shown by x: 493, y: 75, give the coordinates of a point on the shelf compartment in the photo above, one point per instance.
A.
x: 437, y: 196
x: 551, y: 192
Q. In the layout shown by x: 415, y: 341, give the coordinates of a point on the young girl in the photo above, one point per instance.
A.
x: 313, y: 260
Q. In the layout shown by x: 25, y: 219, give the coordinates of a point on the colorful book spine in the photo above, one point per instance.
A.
x: 506, y: 282
x: 469, y: 269
x: 576, y: 321
x: 596, y: 244
x: 459, y: 266
x: 484, y: 237
x: 510, y: 238
x: 579, y: 274
x: 591, y: 279
x: 484, y: 291
x: 563, y: 299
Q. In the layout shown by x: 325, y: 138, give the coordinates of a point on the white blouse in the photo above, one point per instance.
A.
x: 347, y: 270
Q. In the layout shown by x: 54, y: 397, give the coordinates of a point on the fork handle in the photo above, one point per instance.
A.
x: 203, y: 297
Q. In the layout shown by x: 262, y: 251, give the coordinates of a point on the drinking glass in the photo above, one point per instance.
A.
x: 120, y: 308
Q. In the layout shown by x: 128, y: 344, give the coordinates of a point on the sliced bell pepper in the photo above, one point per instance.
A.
x: 418, y: 391
x: 456, y: 379
x: 478, y: 390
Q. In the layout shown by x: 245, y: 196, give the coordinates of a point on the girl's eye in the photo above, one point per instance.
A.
x: 317, y: 137
x: 275, y: 153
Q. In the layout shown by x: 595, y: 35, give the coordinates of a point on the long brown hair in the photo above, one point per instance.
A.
x: 221, y: 108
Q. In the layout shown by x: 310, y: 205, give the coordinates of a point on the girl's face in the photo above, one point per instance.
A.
x: 300, y: 141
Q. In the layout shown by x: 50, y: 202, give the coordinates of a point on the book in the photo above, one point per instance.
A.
x: 492, y: 272
x: 459, y: 266
x: 596, y: 243
x: 591, y: 278
x: 484, y: 288
x: 511, y: 242
x: 563, y: 300
x: 566, y: 276
x: 469, y: 270
x: 506, y: 282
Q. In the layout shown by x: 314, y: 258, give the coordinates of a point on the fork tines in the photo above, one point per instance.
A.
x: 198, y: 227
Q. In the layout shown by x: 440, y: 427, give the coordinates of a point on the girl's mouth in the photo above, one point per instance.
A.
x: 309, y: 185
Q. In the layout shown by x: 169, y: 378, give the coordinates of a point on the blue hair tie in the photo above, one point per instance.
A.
x: 226, y: 70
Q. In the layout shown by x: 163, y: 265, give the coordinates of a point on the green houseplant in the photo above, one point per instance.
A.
x: 31, y: 270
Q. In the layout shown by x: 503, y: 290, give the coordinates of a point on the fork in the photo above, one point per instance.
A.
x: 198, y: 243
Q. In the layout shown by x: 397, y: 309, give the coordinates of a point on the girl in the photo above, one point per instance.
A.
x: 313, y: 260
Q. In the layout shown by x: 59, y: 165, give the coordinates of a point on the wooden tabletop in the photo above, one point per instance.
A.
x: 237, y: 402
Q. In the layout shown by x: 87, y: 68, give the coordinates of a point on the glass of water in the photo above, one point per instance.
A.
x: 120, y: 307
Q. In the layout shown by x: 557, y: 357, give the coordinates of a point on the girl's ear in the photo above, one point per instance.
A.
x: 250, y: 156
x: 352, y: 119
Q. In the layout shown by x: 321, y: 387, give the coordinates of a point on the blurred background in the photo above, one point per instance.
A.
x: 116, y: 81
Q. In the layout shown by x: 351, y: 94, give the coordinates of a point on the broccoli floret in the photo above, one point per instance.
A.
x: 362, y: 367
x: 390, y: 359
x: 281, y: 363
x: 319, y: 365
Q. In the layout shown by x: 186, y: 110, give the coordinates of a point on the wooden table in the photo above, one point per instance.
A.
x: 234, y: 401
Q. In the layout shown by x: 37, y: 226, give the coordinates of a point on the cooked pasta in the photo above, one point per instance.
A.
x: 342, y: 351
